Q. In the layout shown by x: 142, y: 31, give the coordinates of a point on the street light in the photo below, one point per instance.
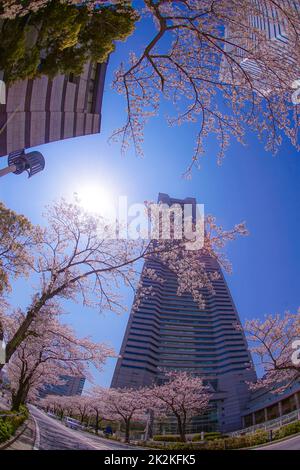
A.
x: 2, y: 91
x: 19, y: 161
x: 2, y: 351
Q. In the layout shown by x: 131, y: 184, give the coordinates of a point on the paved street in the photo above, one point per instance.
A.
x: 53, y: 435
x: 289, y: 444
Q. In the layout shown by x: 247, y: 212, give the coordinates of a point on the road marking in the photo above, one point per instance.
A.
x: 37, y: 440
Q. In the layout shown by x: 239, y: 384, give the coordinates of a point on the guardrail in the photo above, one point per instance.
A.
x: 271, y: 424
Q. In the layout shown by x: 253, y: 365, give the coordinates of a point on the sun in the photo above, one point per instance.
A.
x: 96, y: 200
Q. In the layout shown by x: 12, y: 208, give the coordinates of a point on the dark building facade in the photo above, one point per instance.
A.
x: 42, y: 110
x: 265, y: 406
x: 71, y: 386
x: 171, y: 332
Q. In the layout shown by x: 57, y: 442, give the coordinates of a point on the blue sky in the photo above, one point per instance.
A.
x: 251, y: 185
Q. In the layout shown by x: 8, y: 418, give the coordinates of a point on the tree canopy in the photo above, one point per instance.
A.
x: 61, y: 37
x: 227, y: 66
x: 17, y: 236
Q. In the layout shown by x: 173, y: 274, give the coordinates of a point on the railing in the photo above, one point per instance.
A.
x: 272, y: 424
x: 10, y: 414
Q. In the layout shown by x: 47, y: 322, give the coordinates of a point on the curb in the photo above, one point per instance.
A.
x: 276, y: 441
x: 37, y: 437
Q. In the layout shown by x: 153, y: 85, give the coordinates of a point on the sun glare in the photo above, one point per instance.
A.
x: 96, y: 199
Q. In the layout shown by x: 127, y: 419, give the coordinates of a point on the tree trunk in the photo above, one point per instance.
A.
x: 97, y: 423
x: 181, y: 429
x: 2, y: 359
x: 19, y: 398
x: 127, y: 431
x: 20, y: 334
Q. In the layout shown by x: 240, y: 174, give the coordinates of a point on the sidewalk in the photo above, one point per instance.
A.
x: 24, y: 439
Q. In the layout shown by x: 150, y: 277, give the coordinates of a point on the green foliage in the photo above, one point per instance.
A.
x: 238, y: 442
x: 208, y: 436
x: 215, y: 442
x: 15, y: 235
x: 288, y: 430
x: 181, y: 446
x: 103, y: 29
x: 5, y: 430
x: 11, y: 422
x: 24, y: 410
x: 17, y: 60
x: 61, y: 38
x: 166, y: 438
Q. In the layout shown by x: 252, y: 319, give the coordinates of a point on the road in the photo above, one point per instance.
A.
x: 289, y: 444
x: 53, y: 435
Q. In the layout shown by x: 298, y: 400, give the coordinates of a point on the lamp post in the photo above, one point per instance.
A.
x: 2, y: 91
x: 19, y: 161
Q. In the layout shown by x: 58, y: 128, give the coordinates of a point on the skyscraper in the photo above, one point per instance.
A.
x: 42, y: 110
x: 171, y: 332
x: 272, y: 21
x: 72, y: 386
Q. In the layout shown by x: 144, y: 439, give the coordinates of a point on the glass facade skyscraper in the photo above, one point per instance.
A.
x: 168, y: 332
x: 271, y: 19
x: 71, y: 386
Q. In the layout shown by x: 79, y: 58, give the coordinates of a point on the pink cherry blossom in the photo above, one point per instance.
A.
x: 271, y: 343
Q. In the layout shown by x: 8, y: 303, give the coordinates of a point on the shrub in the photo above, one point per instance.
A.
x: 216, y: 444
x: 238, y: 442
x: 259, y: 437
x: 15, y: 422
x: 166, y: 438
x: 11, y: 422
x: 180, y: 446
x: 211, y: 436
x: 287, y: 430
x: 249, y: 440
x: 208, y: 436
x: 5, y: 430
x: 196, y: 437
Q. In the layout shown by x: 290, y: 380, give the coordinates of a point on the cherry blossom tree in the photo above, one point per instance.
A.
x: 78, y: 259
x: 50, y: 351
x: 59, y: 405
x: 81, y: 406
x: 17, y: 237
x: 84, y: 407
x: 125, y: 405
x: 215, y: 61
x: 220, y: 70
x: 97, y: 406
x: 275, y: 344
x: 183, y: 396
